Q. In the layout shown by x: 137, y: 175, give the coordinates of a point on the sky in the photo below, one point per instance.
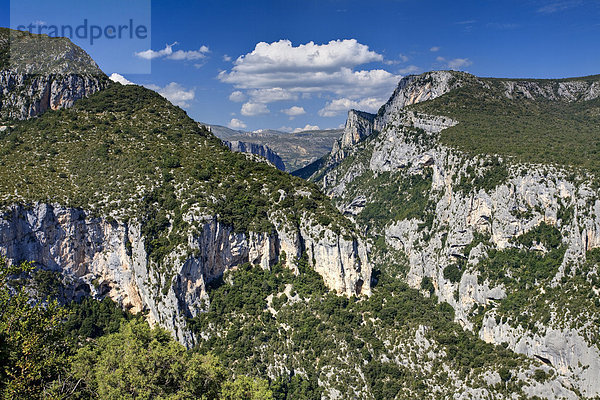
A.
x: 292, y: 65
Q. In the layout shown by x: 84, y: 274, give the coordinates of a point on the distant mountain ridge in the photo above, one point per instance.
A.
x: 257, y: 149
x: 295, y: 149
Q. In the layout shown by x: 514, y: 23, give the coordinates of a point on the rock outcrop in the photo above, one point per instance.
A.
x: 257, y: 149
x: 39, y: 73
x: 108, y: 258
x: 445, y: 235
x: 411, y: 90
x: 24, y: 96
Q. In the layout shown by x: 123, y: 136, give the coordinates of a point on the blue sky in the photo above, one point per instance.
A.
x: 291, y: 64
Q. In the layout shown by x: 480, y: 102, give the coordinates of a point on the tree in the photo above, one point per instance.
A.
x: 33, y: 347
x: 246, y: 388
x: 140, y: 362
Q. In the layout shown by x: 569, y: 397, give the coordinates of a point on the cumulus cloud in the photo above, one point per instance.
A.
x: 311, y: 68
x: 120, y: 79
x: 340, y: 106
x: 175, y: 93
x: 455, y: 63
x: 283, y: 56
x: 294, y: 111
x: 410, y: 69
x: 237, y: 96
x: 307, y: 127
x: 178, y: 55
x: 250, y: 109
x: 434, y: 49
x: 271, y: 95
x: 226, y: 58
x: 236, y: 124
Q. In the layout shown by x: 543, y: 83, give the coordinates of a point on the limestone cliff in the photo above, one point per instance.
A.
x: 24, y: 96
x: 61, y: 74
x: 459, y: 227
x: 102, y: 257
x: 257, y: 149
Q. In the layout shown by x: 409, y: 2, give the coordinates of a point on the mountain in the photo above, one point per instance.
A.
x: 488, y: 187
x: 61, y: 73
x: 295, y: 149
x: 125, y: 196
x: 440, y: 281
x: 258, y: 149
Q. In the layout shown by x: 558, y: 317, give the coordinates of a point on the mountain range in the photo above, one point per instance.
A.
x: 445, y: 247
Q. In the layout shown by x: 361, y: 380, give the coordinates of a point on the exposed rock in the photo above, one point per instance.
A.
x: 530, y: 195
x: 61, y: 74
x: 112, y: 256
x: 359, y: 125
x: 257, y: 149
x: 24, y: 96
x: 418, y: 88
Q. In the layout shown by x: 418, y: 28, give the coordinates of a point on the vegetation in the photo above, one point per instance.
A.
x: 94, y: 350
x: 127, y: 153
x: 533, y: 130
x: 294, y: 328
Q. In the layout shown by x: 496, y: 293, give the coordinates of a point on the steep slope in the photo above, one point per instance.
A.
x: 489, y: 188
x: 296, y: 149
x: 61, y: 74
x: 127, y: 196
x: 257, y: 149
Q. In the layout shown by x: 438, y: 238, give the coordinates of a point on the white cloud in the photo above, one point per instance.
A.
x: 236, y: 124
x: 307, y: 128
x: 177, y: 55
x: 250, y: 109
x: 558, y: 6
x: 294, y: 111
x: 340, y: 106
x: 311, y: 68
x: 175, y: 93
x: 282, y: 56
x: 455, y: 63
x: 410, y: 69
x: 271, y: 95
x: 401, y: 59
x: 434, y: 49
x: 226, y: 58
x: 120, y: 79
x: 237, y: 96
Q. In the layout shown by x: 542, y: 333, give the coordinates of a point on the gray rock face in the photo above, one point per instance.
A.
x: 359, y: 125
x: 40, y: 73
x: 24, y: 96
x: 257, y: 149
x: 530, y: 195
x: 411, y: 90
x: 414, y: 89
x: 109, y: 258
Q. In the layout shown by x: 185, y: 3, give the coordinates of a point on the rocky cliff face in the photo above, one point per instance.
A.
x: 61, y: 74
x: 411, y: 90
x: 257, y: 149
x: 359, y: 125
x: 24, y: 96
x: 101, y: 257
x: 458, y: 228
